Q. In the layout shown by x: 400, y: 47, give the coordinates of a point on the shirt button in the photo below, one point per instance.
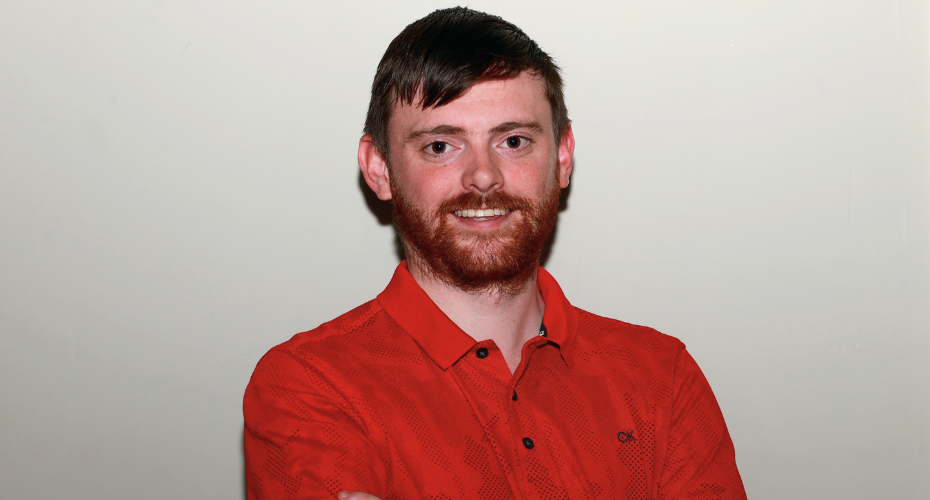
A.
x: 482, y: 353
x: 528, y: 443
x: 514, y: 395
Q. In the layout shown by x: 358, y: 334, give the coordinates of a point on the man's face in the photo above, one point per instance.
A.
x: 476, y: 183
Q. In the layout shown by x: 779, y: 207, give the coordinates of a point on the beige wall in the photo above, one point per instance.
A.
x: 179, y: 192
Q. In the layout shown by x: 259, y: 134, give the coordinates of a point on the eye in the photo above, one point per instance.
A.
x: 515, y: 141
x: 438, y: 147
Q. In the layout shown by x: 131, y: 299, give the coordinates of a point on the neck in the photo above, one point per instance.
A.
x: 508, y: 317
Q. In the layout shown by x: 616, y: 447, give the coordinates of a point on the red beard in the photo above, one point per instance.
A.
x: 502, y: 260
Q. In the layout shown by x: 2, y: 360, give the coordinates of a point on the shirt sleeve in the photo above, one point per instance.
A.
x: 300, y: 440
x: 701, y: 461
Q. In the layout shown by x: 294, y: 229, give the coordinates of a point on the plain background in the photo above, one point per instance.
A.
x: 179, y: 192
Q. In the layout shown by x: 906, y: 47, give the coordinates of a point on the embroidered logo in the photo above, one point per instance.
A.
x: 625, y: 437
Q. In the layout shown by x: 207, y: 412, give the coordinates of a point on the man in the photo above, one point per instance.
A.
x: 471, y: 375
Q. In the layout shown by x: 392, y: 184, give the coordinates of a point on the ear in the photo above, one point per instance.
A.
x: 566, y: 152
x: 374, y: 167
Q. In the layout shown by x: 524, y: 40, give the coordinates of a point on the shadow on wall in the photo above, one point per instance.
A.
x: 382, y: 211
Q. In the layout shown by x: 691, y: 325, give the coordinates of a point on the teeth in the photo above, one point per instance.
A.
x: 486, y: 212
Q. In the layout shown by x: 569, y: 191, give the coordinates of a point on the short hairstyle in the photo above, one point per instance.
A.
x: 441, y: 56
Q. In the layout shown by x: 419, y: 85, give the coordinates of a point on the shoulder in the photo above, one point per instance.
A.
x: 315, y: 353
x: 637, y: 347
x: 366, y: 335
x: 351, y: 329
x: 353, y: 350
x: 612, y: 331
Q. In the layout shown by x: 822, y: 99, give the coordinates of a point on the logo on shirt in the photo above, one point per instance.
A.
x: 625, y: 436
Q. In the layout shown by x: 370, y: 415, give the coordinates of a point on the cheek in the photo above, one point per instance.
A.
x: 536, y: 179
x: 426, y: 187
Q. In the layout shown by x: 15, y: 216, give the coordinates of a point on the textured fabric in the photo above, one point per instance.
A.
x: 395, y: 400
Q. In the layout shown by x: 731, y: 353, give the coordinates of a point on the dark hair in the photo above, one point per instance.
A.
x: 441, y: 56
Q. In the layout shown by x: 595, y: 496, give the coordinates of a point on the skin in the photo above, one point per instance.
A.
x: 355, y: 495
x: 496, y: 136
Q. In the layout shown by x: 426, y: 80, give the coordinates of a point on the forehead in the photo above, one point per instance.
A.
x: 481, y: 108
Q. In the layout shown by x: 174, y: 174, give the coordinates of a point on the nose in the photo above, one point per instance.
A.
x: 483, y: 173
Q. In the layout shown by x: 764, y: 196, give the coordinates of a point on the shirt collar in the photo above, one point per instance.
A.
x: 560, y: 317
x: 411, y: 308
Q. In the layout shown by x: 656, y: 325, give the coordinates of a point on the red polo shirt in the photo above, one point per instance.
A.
x: 395, y: 400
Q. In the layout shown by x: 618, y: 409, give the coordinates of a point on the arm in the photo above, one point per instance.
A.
x: 700, y: 459
x: 355, y: 495
x: 300, y: 440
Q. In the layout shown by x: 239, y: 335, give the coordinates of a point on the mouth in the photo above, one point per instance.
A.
x: 482, y: 213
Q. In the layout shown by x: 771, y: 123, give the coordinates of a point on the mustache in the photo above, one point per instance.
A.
x: 472, y: 200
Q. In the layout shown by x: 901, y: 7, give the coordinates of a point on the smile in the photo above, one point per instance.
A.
x: 487, y: 212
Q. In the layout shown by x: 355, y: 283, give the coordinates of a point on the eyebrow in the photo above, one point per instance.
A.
x: 440, y: 130
x: 509, y: 126
x: 453, y: 130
